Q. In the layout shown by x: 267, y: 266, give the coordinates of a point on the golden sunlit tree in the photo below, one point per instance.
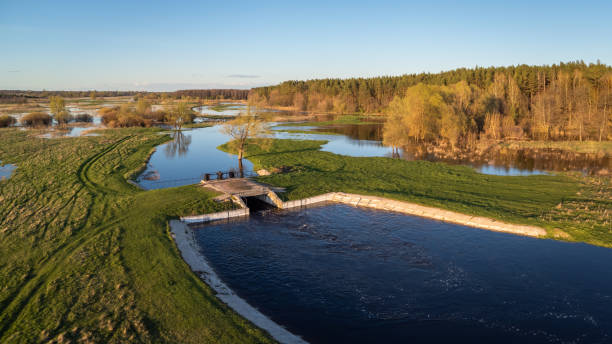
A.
x: 419, y: 110
x: 243, y: 128
x: 180, y: 115
x: 58, y: 109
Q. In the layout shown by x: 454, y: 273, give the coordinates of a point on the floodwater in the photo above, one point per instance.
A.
x: 366, y: 140
x: 341, y: 274
x: 189, y: 155
x: 229, y: 109
x: 193, y: 153
x: 6, y: 170
x: 76, y: 129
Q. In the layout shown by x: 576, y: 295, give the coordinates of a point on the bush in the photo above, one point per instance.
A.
x: 7, y: 121
x: 36, y: 119
x: 157, y: 116
x: 63, y: 117
x: 83, y: 117
x: 123, y: 117
x: 108, y: 115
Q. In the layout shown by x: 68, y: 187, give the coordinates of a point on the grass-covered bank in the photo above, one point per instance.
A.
x: 591, y: 147
x: 86, y: 256
x: 569, y: 206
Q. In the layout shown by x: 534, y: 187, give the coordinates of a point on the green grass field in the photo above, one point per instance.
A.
x: 85, y: 256
x: 568, y: 206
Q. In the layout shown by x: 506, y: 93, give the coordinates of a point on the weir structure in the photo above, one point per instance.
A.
x: 244, y: 192
x: 249, y: 194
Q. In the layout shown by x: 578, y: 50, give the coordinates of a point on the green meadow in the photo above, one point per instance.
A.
x: 86, y: 256
x: 569, y: 206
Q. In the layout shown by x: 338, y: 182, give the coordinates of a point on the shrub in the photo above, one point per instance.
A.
x: 36, y: 119
x: 7, y: 121
x: 108, y: 115
x: 83, y: 117
x: 63, y: 117
x: 156, y: 116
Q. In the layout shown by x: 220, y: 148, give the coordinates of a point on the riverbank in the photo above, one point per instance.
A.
x: 386, y: 204
x: 551, y: 202
x: 185, y: 242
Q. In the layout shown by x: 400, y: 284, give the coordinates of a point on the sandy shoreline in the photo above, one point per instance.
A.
x: 185, y: 241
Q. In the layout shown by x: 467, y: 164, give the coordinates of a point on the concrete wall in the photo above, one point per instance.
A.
x: 418, y: 210
x: 381, y: 204
x: 216, y: 216
x: 307, y: 201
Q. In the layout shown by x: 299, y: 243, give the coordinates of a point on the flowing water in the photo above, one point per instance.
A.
x: 340, y: 274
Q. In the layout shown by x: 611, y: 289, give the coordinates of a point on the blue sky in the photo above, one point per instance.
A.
x: 155, y: 45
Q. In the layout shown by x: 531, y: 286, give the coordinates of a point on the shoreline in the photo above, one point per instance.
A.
x: 386, y: 204
x: 413, y: 209
x: 185, y: 242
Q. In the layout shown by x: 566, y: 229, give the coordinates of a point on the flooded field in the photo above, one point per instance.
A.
x: 194, y: 152
x: 189, y: 155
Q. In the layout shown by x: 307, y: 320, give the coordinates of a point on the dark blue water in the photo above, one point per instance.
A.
x: 339, y: 274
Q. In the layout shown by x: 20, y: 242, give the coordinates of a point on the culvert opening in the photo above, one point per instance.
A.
x: 257, y: 204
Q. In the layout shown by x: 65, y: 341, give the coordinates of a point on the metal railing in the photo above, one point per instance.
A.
x: 219, y: 175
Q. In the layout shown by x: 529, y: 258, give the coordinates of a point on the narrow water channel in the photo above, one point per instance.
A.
x: 340, y: 274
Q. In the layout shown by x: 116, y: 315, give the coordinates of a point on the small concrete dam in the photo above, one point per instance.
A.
x: 248, y: 194
x: 244, y: 192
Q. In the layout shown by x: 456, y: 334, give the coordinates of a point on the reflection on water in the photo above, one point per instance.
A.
x: 179, y: 144
x: 366, y: 140
x: 6, y: 170
x: 368, y: 132
x: 341, y: 274
x: 187, y: 157
x: 192, y: 153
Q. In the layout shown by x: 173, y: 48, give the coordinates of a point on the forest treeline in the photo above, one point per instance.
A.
x: 234, y: 94
x: 20, y: 97
x: 24, y: 95
x: 564, y: 101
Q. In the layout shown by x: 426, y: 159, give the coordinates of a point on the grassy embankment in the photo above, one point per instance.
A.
x: 593, y: 147
x: 569, y: 206
x: 86, y: 256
